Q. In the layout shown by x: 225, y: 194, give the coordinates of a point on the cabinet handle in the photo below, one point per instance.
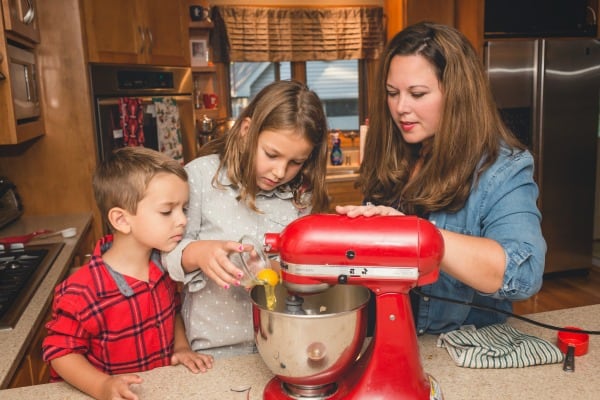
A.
x: 143, y: 36
x: 150, y: 40
x: 30, y: 14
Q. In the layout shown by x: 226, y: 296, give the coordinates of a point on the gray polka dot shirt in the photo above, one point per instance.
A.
x: 219, y: 321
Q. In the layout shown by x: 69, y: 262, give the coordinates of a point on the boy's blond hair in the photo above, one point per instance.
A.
x: 122, y: 179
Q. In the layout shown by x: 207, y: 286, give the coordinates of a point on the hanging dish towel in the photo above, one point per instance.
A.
x: 131, y: 119
x: 168, y: 126
x: 498, y: 346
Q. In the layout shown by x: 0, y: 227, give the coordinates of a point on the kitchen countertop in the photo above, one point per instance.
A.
x: 14, y: 342
x: 539, y: 382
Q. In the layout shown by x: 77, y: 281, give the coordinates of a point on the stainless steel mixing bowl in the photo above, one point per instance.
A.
x: 315, y: 348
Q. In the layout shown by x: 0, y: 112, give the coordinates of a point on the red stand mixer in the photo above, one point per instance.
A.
x: 327, y: 263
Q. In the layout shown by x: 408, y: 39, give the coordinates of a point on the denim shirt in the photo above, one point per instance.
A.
x: 501, y: 206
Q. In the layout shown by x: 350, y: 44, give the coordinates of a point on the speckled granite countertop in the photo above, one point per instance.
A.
x: 14, y: 342
x: 540, y: 382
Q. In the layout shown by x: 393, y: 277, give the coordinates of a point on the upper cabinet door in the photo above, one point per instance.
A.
x: 167, y: 33
x: 20, y: 18
x: 136, y: 32
x: 114, y: 30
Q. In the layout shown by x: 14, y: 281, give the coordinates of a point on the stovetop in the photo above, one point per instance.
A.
x: 21, y: 272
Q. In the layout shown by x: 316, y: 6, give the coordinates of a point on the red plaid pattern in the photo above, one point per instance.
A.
x: 116, y: 333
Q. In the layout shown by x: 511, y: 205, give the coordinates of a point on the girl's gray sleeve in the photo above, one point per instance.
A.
x: 172, y: 260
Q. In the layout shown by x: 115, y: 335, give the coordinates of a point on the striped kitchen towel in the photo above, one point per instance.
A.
x: 498, y: 346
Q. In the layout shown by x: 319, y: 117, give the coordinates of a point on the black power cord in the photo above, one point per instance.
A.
x: 418, y: 291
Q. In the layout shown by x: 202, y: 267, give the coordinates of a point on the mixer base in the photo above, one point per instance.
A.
x: 276, y: 389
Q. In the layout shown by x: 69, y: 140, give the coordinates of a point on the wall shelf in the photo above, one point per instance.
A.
x: 207, y: 69
x: 201, y: 25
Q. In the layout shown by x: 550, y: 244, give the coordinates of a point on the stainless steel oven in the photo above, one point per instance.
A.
x: 143, y: 106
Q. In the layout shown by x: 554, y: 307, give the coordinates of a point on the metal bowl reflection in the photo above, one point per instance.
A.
x: 315, y: 348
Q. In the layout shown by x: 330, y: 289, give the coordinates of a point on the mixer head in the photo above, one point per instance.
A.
x: 384, y: 253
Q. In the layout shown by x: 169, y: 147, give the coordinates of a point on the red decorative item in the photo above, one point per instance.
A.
x: 131, y: 120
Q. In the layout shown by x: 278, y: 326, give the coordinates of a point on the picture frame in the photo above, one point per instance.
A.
x: 199, y: 52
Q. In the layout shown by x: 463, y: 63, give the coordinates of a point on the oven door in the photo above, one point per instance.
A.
x: 141, y: 122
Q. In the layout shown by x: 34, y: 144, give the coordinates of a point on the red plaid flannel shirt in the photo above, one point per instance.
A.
x: 117, y: 333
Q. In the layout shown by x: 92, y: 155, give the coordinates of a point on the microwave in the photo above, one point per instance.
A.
x: 23, y: 83
x: 539, y: 18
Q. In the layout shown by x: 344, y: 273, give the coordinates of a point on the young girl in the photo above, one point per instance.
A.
x: 267, y: 171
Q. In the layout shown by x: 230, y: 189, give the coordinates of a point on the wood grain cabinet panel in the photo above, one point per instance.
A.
x: 150, y: 32
x: 343, y: 193
x: 33, y: 370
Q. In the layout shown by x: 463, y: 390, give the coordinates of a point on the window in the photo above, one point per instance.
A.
x: 246, y: 79
x: 336, y: 83
x: 271, y: 43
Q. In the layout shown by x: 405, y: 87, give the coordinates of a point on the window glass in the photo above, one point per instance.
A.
x: 336, y: 83
x: 248, y: 78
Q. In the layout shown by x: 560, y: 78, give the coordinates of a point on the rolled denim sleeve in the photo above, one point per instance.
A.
x: 511, y: 217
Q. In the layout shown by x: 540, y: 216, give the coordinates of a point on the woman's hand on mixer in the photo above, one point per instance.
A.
x: 367, y: 210
x: 212, y: 257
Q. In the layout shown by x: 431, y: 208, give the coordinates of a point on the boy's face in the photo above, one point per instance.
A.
x: 160, y: 219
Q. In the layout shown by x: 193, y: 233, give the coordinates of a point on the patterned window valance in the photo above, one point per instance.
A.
x: 299, y: 34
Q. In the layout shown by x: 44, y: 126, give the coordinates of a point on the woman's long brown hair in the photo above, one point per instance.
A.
x: 470, y: 130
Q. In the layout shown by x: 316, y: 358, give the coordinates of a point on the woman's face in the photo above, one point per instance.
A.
x: 414, y: 97
x: 279, y: 157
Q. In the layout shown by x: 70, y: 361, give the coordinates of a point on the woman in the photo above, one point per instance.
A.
x: 439, y: 150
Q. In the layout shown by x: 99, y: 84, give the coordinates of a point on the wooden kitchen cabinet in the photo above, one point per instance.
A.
x: 137, y: 32
x: 33, y: 370
x: 465, y: 15
x: 343, y: 193
x: 12, y: 132
x: 212, y: 78
x: 20, y: 19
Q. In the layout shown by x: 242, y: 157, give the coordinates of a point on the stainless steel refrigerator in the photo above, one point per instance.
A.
x: 548, y: 92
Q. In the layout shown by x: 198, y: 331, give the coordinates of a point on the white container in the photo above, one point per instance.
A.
x: 362, y: 138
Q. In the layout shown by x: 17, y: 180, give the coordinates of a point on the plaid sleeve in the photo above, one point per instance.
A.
x: 66, y: 334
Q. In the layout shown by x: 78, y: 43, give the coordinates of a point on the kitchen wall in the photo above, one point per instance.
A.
x: 54, y: 174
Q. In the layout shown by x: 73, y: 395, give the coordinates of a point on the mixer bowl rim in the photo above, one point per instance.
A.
x: 324, y: 315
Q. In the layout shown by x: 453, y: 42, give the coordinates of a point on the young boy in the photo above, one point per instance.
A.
x: 120, y: 313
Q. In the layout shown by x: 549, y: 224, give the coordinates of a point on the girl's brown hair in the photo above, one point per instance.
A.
x: 470, y: 130
x: 282, y: 105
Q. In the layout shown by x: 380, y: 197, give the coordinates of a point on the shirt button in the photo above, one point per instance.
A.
x: 425, y: 298
x: 421, y: 331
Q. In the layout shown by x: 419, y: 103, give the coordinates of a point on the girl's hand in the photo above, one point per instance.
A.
x: 212, y: 257
x: 117, y: 387
x: 368, y: 210
x: 195, y: 362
